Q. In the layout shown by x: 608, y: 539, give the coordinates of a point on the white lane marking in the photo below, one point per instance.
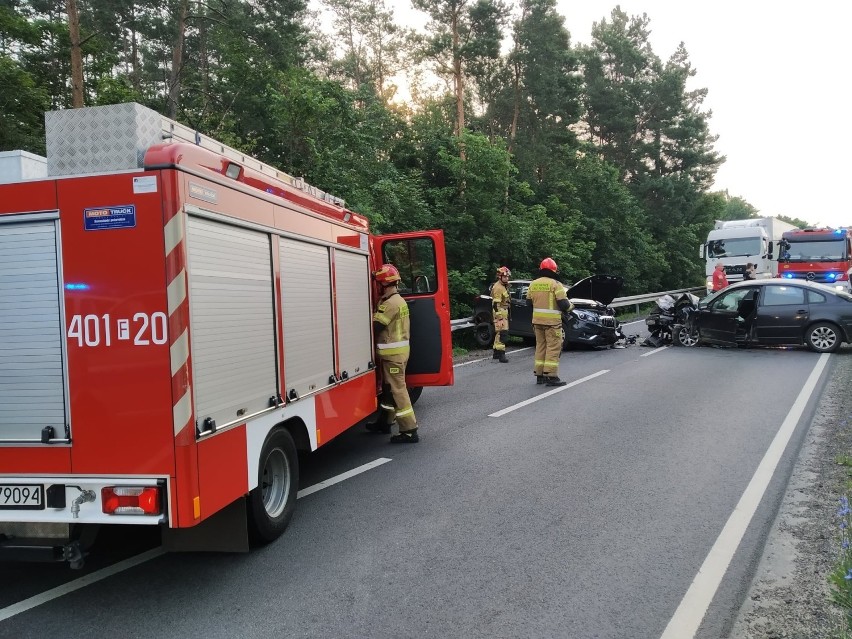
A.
x: 121, y: 566
x: 689, y: 614
x: 531, y: 400
x: 655, y: 351
x: 310, y: 490
x: 482, y: 359
x: 473, y: 361
x: 82, y: 582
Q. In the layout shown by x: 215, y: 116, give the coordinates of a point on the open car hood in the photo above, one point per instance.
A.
x: 600, y: 288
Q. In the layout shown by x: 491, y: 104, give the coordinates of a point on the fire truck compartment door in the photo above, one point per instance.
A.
x: 32, y: 371
x: 231, y: 320
x: 421, y: 260
x: 354, y: 315
x: 306, y: 314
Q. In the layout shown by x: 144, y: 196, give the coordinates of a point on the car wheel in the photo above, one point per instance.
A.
x: 271, y: 504
x: 414, y: 393
x: 823, y: 337
x: 686, y: 336
x: 484, y: 334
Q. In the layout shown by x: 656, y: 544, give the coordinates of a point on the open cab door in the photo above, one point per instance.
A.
x: 421, y: 260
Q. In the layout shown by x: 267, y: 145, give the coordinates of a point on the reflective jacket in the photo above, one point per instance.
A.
x: 499, y: 300
x: 392, y: 314
x: 544, y: 292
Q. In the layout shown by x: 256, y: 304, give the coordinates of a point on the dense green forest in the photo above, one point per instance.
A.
x: 598, y: 155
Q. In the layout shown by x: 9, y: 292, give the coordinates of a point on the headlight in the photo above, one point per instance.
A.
x: 586, y: 316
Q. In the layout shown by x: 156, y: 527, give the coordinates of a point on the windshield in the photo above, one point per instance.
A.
x: 734, y: 247
x: 831, y: 251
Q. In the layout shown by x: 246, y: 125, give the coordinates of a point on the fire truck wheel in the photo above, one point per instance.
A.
x: 823, y: 337
x: 271, y: 504
x: 414, y: 393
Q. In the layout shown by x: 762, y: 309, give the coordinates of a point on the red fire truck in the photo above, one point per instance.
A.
x: 177, y: 320
x: 821, y: 255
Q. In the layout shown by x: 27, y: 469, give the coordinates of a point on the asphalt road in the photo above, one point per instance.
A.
x: 585, y: 514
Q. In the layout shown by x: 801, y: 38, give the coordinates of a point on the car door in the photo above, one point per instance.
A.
x: 782, y: 313
x: 719, y: 320
x: 520, y: 310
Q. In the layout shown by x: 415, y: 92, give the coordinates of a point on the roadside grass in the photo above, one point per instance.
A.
x: 840, y: 578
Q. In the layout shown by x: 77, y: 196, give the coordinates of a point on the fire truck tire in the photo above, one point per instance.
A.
x: 414, y: 393
x: 271, y: 504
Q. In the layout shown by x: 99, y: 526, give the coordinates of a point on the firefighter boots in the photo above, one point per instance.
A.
x: 500, y: 356
x: 539, y: 379
x: 554, y: 381
x: 406, y: 437
x: 379, y: 426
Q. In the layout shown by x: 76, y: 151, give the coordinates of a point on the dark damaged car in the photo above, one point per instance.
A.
x: 592, y: 322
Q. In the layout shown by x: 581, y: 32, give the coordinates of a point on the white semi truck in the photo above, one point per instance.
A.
x: 737, y: 242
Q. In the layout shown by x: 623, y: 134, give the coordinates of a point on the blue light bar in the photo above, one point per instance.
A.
x: 77, y: 287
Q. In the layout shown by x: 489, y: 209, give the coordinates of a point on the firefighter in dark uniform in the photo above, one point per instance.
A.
x: 391, y: 324
x: 500, y: 312
x: 550, y: 301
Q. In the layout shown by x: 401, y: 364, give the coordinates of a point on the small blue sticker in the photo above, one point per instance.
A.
x: 110, y: 217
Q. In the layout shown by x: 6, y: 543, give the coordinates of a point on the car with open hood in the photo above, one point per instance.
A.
x: 591, y: 322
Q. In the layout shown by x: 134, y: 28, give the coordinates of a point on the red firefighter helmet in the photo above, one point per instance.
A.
x: 504, y: 270
x: 388, y: 274
x: 548, y: 264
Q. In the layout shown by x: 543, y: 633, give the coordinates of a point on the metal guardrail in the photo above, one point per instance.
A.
x: 618, y: 302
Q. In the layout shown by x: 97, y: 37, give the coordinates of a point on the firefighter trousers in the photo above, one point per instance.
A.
x: 501, y: 332
x: 548, y: 348
x: 395, y: 400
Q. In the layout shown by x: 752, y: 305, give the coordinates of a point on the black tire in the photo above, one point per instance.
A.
x: 823, y: 337
x: 685, y: 337
x: 414, y: 393
x: 271, y: 504
x: 484, y: 334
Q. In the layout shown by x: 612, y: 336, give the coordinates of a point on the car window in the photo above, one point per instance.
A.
x: 729, y: 301
x: 816, y: 298
x: 517, y: 290
x: 781, y: 295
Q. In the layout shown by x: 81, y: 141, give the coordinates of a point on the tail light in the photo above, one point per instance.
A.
x: 131, y: 500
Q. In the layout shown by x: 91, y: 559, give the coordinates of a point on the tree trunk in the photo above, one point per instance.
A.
x: 177, y: 61
x: 76, y: 54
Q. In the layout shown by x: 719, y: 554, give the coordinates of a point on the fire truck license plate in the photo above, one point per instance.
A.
x: 21, y: 497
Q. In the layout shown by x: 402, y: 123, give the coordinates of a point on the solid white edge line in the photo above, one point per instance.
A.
x: 77, y: 584
x: 690, y: 613
x: 473, y: 361
x: 109, y: 571
x: 310, y: 490
x: 654, y: 352
x: 531, y: 400
x: 482, y: 359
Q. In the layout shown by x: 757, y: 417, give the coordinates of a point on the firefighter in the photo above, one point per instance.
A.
x: 391, y: 324
x: 500, y: 312
x: 550, y: 301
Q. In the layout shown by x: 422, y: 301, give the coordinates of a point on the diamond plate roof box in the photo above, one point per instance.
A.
x: 100, y: 139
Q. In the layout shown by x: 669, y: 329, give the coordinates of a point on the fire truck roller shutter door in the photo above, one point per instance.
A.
x: 354, y: 315
x: 306, y: 313
x: 231, y: 320
x: 32, y: 394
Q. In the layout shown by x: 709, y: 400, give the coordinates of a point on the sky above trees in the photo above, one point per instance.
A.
x: 775, y: 76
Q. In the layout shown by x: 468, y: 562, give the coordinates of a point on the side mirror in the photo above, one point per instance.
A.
x: 702, y: 250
